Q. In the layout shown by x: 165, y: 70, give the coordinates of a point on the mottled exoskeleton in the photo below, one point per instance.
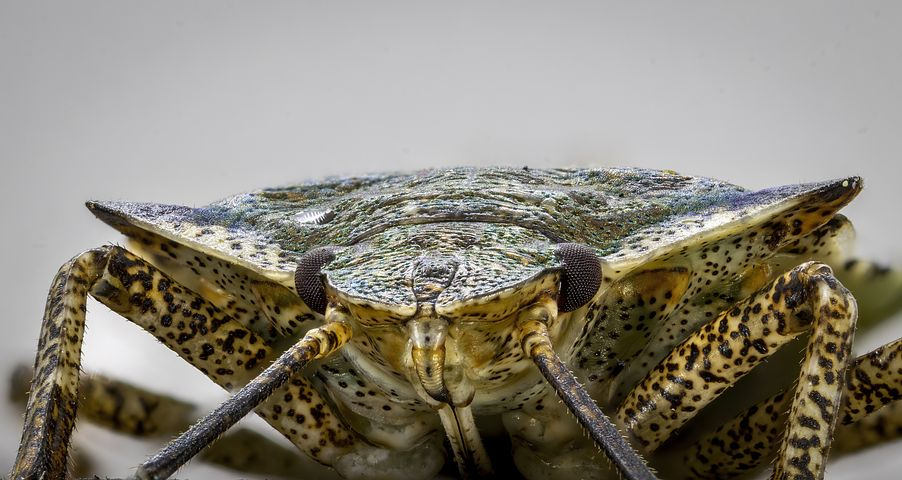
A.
x: 374, y: 320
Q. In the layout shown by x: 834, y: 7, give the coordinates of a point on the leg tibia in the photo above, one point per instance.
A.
x: 818, y: 395
x: 50, y: 412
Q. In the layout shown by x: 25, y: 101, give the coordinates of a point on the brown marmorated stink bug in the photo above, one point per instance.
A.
x: 386, y: 323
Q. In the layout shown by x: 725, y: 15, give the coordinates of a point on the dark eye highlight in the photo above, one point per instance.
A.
x: 581, y: 278
x: 308, y: 279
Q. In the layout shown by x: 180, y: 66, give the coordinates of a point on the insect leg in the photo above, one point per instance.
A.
x: 829, y: 243
x: 317, y: 343
x: 818, y: 394
x: 875, y: 287
x: 230, y: 354
x: 118, y: 406
x: 537, y: 345
x: 203, y: 334
x: 247, y: 451
x: 125, y: 408
x: 722, y: 351
x: 742, y: 444
x: 50, y: 412
x: 872, y: 381
x: 870, y: 413
x: 881, y: 426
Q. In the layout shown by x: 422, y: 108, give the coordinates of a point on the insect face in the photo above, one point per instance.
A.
x: 435, y: 306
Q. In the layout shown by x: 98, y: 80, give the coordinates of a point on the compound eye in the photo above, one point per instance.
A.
x: 308, y: 278
x: 581, y: 277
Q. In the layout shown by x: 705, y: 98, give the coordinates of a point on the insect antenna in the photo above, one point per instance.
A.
x: 537, y: 345
x: 317, y: 343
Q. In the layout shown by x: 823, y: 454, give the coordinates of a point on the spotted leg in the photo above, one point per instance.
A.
x: 50, y: 413
x: 877, y: 289
x: 205, y: 335
x: 725, y: 349
x: 871, y: 412
x: 128, y: 409
x: 884, y: 425
x: 318, y: 343
x: 118, y: 406
x: 247, y: 451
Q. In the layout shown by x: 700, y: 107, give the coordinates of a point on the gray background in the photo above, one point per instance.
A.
x: 186, y: 102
